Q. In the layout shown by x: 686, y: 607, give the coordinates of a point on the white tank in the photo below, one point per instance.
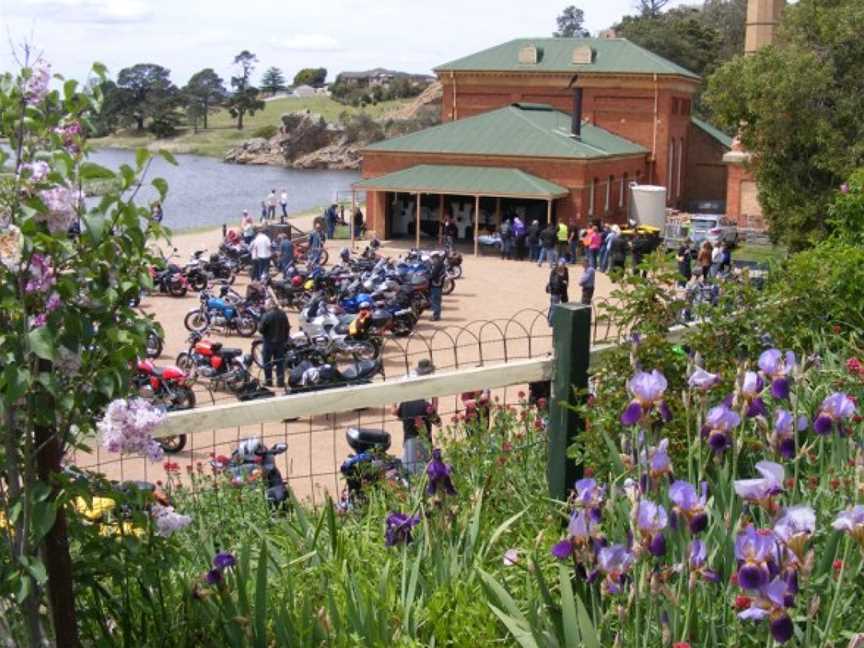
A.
x: 648, y: 205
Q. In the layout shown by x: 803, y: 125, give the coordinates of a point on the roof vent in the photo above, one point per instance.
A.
x: 528, y: 55
x: 583, y: 55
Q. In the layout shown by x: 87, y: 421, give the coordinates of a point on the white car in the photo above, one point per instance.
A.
x: 714, y: 228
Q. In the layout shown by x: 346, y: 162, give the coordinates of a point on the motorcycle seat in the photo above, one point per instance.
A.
x: 361, y: 368
x: 362, y: 439
x: 231, y: 353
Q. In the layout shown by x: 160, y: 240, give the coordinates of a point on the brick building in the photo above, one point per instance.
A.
x: 587, y: 115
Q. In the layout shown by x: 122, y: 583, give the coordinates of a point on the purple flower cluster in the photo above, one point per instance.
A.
x: 222, y: 561
x: 647, y: 390
x: 782, y: 437
x: 438, y: 473
x: 399, y: 526
x: 36, y: 86
x: 778, y: 367
x: 41, y: 278
x: 651, y: 520
x: 128, y: 425
x: 167, y: 520
x: 61, y: 204
x: 702, y: 380
x: 70, y: 136
x: 719, y: 424
x: 38, y: 170
x: 689, y: 506
x: 834, y: 411
x: 761, y: 490
x: 851, y: 522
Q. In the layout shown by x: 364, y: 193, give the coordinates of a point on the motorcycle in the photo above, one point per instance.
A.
x: 154, y: 344
x: 252, y: 457
x: 368, y: 466
x: 165, y: 387
x: 308, y: 377
x: 217, y: 266
x: 301, y: 253
x: 170, y: 280
x: 223, y: 313
x: 298, y: 348
x: 224, y: 369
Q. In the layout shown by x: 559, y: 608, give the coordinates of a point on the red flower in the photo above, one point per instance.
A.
x: 854, y: 366
x: 521, y: 394
x: 681, y: 644
x: 506, y: 446
x: 171, y: 467
x: 834, y: 483
x: 541, y: 403
x: 734, y: 578
x: 837, y: 565
x: 454, y: 419
x: 857, y: 418
x: 836, y: 328
x: 742, y: 602
x: 589, y: 471
x: 790, y: 483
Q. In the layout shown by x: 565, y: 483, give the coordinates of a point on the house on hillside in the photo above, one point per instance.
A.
x: 380, y: 77
x: 549, y: 128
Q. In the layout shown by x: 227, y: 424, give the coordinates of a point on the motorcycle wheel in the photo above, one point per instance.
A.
x: 173, y: 444
x: 323, y: 258
x: 176, y: 289
x: 184, y: 399
x: 153, y: 348
x: 449, y: 286
x: 185, y: 363
x: 246, y: 326
x: 364, y: 350
x: 455, y: 272
x: 197, y: 282
x: 196, y: 321
x: 403, y: 326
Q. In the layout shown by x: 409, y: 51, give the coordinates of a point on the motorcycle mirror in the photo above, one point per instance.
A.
x: 279, y: 448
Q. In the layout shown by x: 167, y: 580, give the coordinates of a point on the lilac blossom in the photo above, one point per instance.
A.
x: 580, y: 531
x: 439, y: 475
x: 750, y: 391
x: 835, y: 409
x: 760, y: 490
x: 11, y: 246
x: 399, y: 526
x: 39, y: 320
x: 852, y: 522
x: 647, y: 390
x: 61, y: 204
x: 36, y: 86
x: 614, y: 562
x: 697, y: 560
x: 167, y: 520
x: 70, y: 133
x: 651, y: 519
x: 794, y: 529
x: 719, y: 423
x: 702, y: 380
x: 128, y: 425
x: 38, y: 170
x: 770, y: 605
x: 777, y: 367
x: 689, y: 505
x: 757, y: 555
x: 53, y: 302
x: 41, y: 277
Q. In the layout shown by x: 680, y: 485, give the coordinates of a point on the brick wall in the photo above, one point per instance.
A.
x: 706, y: 171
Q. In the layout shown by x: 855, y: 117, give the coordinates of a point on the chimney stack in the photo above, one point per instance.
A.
x: 576, y: 117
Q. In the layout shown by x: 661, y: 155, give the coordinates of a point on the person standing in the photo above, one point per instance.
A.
x: 563, y: 234
x: 618, y: 253
x: 595, y: 242
x: 450, y: 232
x: 586, y: 281
x: 274, y: 329
x: 556, y: 288
x: 613, y: 233
x: 271, y: 205
x: 726, y: 260
x: 283, y: 201
x: 247, y: 227
x: 261, y: 250
x: 548, y: 239
x: 316, y: 244
x: 437, y: 275
x: 519, y: 234
x: 685, y: 263
x: 286, y: 254
x: 330, y: 217
x: 358, y: 224
x: 506, y: 234
x: 417, y: 418
x: 532, y: 239
x: 703, y: 259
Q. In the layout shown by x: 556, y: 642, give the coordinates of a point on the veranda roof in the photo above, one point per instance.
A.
x: 464, y: 180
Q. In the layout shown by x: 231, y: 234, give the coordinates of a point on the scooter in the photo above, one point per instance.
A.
x: 165, y: 387
x: 251, y: 456
x: 370, y: 465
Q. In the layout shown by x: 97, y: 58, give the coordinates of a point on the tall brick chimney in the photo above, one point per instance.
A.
x: 762, y: 19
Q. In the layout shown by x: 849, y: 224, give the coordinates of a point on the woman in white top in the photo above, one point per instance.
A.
x: 247, y: 227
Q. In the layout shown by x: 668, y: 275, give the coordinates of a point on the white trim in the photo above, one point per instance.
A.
x: 609, y: 182
x: 680, y: 159
x: 591, y: 198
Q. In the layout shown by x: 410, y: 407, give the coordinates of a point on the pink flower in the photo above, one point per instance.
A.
x: 167, y: 520
x: 128, y: 425
x: 511, y: 557
x: 39, y: 170
x: 41, y: 274
x: 53, y: 302
x: 62, y: 204
x: 36, y: 87
x: 38, y: 321
x: 70, y: 134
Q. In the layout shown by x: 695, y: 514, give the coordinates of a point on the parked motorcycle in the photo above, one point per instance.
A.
x: 154, y: 345
x: 223, y: 369
x: 308, y: 377
x: 222, y: 313
x: 170, y: 280
x: 370, y: 465
x: 165, y: 387
x: 252, y: 457
x: 217, y: 266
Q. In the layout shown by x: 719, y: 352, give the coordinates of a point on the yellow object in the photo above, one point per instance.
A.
x: 309, y: 285
x: 124, y: 529
x: 96, y: 510
x: 563, y: 232
x: 3, y: 522
x: 641, y: 229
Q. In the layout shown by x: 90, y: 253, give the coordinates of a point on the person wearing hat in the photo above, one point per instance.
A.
x: 586, y: 281
x: 274, y: 329
x: 417, y: 418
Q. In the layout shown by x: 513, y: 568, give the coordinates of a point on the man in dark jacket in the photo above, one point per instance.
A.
x: 274, y: 329
x: 548, y: 241
x: 618, y: 253
x: 437, y: 275
x: 286, y: 254
x: 557, y: 287
x: 532, y: 239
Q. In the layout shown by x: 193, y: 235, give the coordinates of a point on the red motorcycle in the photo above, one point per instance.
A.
x: 165, y: 387
x: 222, y: 369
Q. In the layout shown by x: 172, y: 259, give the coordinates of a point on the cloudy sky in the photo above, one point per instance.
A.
x: 187, y: 35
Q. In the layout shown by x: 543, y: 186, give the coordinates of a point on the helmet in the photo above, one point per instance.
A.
x: 365, y: 304
x: 296, y: 281
x: 248, y: 449
x: 344, y: 253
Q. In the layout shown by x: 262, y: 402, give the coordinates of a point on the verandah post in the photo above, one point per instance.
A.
x: 572, y: 345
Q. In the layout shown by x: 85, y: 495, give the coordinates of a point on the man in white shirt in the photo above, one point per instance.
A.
x: 283, y: 200
x: 260, y: 250
x: 271, y: 205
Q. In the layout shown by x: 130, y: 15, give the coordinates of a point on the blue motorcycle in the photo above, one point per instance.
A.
x: 229, y: 315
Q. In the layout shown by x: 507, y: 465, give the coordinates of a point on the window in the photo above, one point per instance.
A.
x: 623, y: 189
x: 591, y: 197
x: 680, y: 158
x: 608, y: 201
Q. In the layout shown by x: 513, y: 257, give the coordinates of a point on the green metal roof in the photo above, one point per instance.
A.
x: 610, y: 56
x: 464, y: 180
x: 525, y: 130
x: 713, y: 131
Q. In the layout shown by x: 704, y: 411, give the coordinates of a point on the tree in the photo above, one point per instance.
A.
x: 729, y: 18
x: 651, y: 8
x: 146, y: 92
x: 797, y: 105
x: 245, y: 97
x: 570, y: 23
x: 315, y: 77
x: 272, y: 80
x: 204, y: 93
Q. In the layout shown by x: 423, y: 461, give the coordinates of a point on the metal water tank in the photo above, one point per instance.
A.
x: 648, y: 205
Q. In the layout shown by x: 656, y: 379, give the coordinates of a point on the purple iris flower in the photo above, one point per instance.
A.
x: 771, y: 605
x: 777, y: 366
x: 851, y: 522
x: 756, y: 552
x: 399, y: 527
x: 647, y: 390
x: 795, y: 527
x: 224, y: 560
x: 719, y: 423
x: 439, y: 475
x: 751, y: 391
x: 698, y: 558
x: 214, y: 577
x: 589, y: 496
x: 836, y: 408
x: 657, y: 459
x: 783, y: 436
x: 581, y: 530
x: 651, y: 519
x: 613, y: 562
x: 690, y: 505
x: 760, y: 490
x: 702, y: 380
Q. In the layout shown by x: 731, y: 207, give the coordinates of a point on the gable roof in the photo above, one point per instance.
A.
x: 713, y: 131
x: 610, y: 56
x: 524, y: 130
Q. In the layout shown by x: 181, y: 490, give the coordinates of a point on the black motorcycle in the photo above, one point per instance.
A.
x: 369, y: 465
x: 170, y: 280
x: 251, y: 456
x: 309, y: 377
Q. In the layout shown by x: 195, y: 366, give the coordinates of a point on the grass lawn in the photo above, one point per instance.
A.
x: 759, y: 253
x: 222, y: 133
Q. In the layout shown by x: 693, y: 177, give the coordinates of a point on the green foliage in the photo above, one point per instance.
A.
x: 266, y: 132
x: 798, y: 104
x: 315, y: 77
x: 244, y: 99
x: 846, y: 214
x: 204, y: 93
x: 273, y: 80
x: 144, y: 91
x: 570, y: 23
x: 361, y: 128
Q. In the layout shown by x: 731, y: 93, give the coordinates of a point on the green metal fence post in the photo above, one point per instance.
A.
x: 572, y: 346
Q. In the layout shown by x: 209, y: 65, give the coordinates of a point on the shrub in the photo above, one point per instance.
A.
x: 266, y: 132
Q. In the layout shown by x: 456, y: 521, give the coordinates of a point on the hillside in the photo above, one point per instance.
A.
x: 222, y: 135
